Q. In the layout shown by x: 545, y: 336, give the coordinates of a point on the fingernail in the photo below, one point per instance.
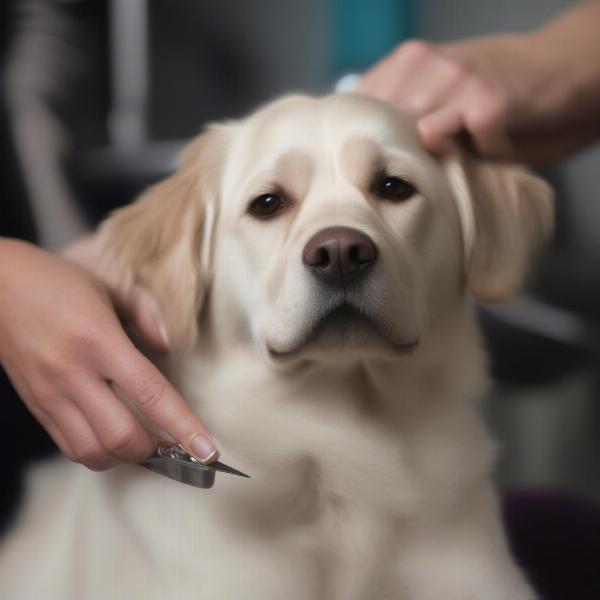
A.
x: 154, y: 312
x: 162, y: 329
x: 202, y: 448
x: 157, y: 317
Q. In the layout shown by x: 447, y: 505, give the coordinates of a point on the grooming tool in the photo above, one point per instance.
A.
x: 171, y: 460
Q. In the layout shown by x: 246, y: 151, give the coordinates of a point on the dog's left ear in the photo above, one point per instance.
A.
x: 162, y: 242
x: 506, y: 214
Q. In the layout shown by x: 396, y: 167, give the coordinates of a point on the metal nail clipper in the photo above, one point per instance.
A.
x: 171, y: 460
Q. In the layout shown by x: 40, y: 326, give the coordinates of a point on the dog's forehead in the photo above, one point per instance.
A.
x: 320, y: 127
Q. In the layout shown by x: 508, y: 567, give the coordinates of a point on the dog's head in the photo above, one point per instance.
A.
x: 320, y: 224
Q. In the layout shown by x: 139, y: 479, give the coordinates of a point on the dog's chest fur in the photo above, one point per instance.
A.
x: 345, y: 464
x: 351, y: 472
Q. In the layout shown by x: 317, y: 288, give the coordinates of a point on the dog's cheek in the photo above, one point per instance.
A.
x: 240, y: 298
x: 428, y: 254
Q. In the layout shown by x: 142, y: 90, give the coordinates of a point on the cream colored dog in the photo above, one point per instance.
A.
x: 316, y: 269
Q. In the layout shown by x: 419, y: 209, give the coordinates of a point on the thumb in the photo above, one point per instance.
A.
x: 137, y: 304
x: 439, y: 128
x: 142, y: 310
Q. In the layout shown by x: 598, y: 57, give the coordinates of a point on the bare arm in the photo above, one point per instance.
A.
x: 63, y: 348
x: 532, y: 96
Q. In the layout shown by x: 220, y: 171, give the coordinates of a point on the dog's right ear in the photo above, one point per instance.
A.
x: 162, y: 242
x: 506, y: 214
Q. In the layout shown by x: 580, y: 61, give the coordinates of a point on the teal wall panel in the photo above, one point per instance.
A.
x: 365, y: 30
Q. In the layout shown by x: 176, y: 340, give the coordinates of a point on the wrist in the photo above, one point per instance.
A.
x: 571, y: 44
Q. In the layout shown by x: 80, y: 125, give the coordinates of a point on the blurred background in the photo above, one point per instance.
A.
x: 99, y: 96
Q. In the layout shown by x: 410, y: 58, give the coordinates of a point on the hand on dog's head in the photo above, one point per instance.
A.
x: 224, y: 242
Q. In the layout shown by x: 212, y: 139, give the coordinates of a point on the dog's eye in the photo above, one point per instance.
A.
x: 394, y: 189
x: 266, y: 205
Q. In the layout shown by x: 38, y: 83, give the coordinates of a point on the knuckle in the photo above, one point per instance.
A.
x: 124, y: 443
x: 93, y: 457
x: 82, y: 336
x: 43, y: 409
x: 414, y: 48
x: 485, y: 118
x: 149, y: 395
x: 476, y: 118
x: 488, y: 109
x: 56, y: 379
x: 492, y: 97
x: 51, y: 365
x: 456, y: 70
x: 58, y: 361
x: 416, y: 102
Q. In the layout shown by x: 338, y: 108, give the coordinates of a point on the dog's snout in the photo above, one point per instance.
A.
x: 339, y: 255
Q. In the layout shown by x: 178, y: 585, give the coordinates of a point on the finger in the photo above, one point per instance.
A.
x: 141, y: 308
x: 82, y: 251
x: 439, y: 128
x: 50, y: 425
x: 387, y: 79
x: 119, y: 432
x: 155, y: 398
x: 485, y: 118
x: 137, y: 305
x: 85, y: 446
x: 433, y: 86
x: 369, y: 82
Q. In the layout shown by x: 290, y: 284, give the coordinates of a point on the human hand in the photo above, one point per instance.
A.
x: 514, y: 96
x: 63, y: 347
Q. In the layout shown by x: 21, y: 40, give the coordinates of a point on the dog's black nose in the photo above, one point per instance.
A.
x: 339, y: 255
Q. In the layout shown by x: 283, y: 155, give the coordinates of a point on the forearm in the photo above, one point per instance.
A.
x: 572, y: 41
x: 531, y: 96
x: 577, y: 26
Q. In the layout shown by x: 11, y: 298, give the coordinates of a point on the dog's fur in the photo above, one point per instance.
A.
x: 369, y: 463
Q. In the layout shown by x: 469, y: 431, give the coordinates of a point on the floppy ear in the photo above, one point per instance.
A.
x: 162, y: 242
x: 506, y: 214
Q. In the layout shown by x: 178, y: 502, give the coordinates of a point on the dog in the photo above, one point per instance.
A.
x: 317, y: 272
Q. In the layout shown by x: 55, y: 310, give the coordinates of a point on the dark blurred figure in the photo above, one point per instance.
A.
x: 52, y: 66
